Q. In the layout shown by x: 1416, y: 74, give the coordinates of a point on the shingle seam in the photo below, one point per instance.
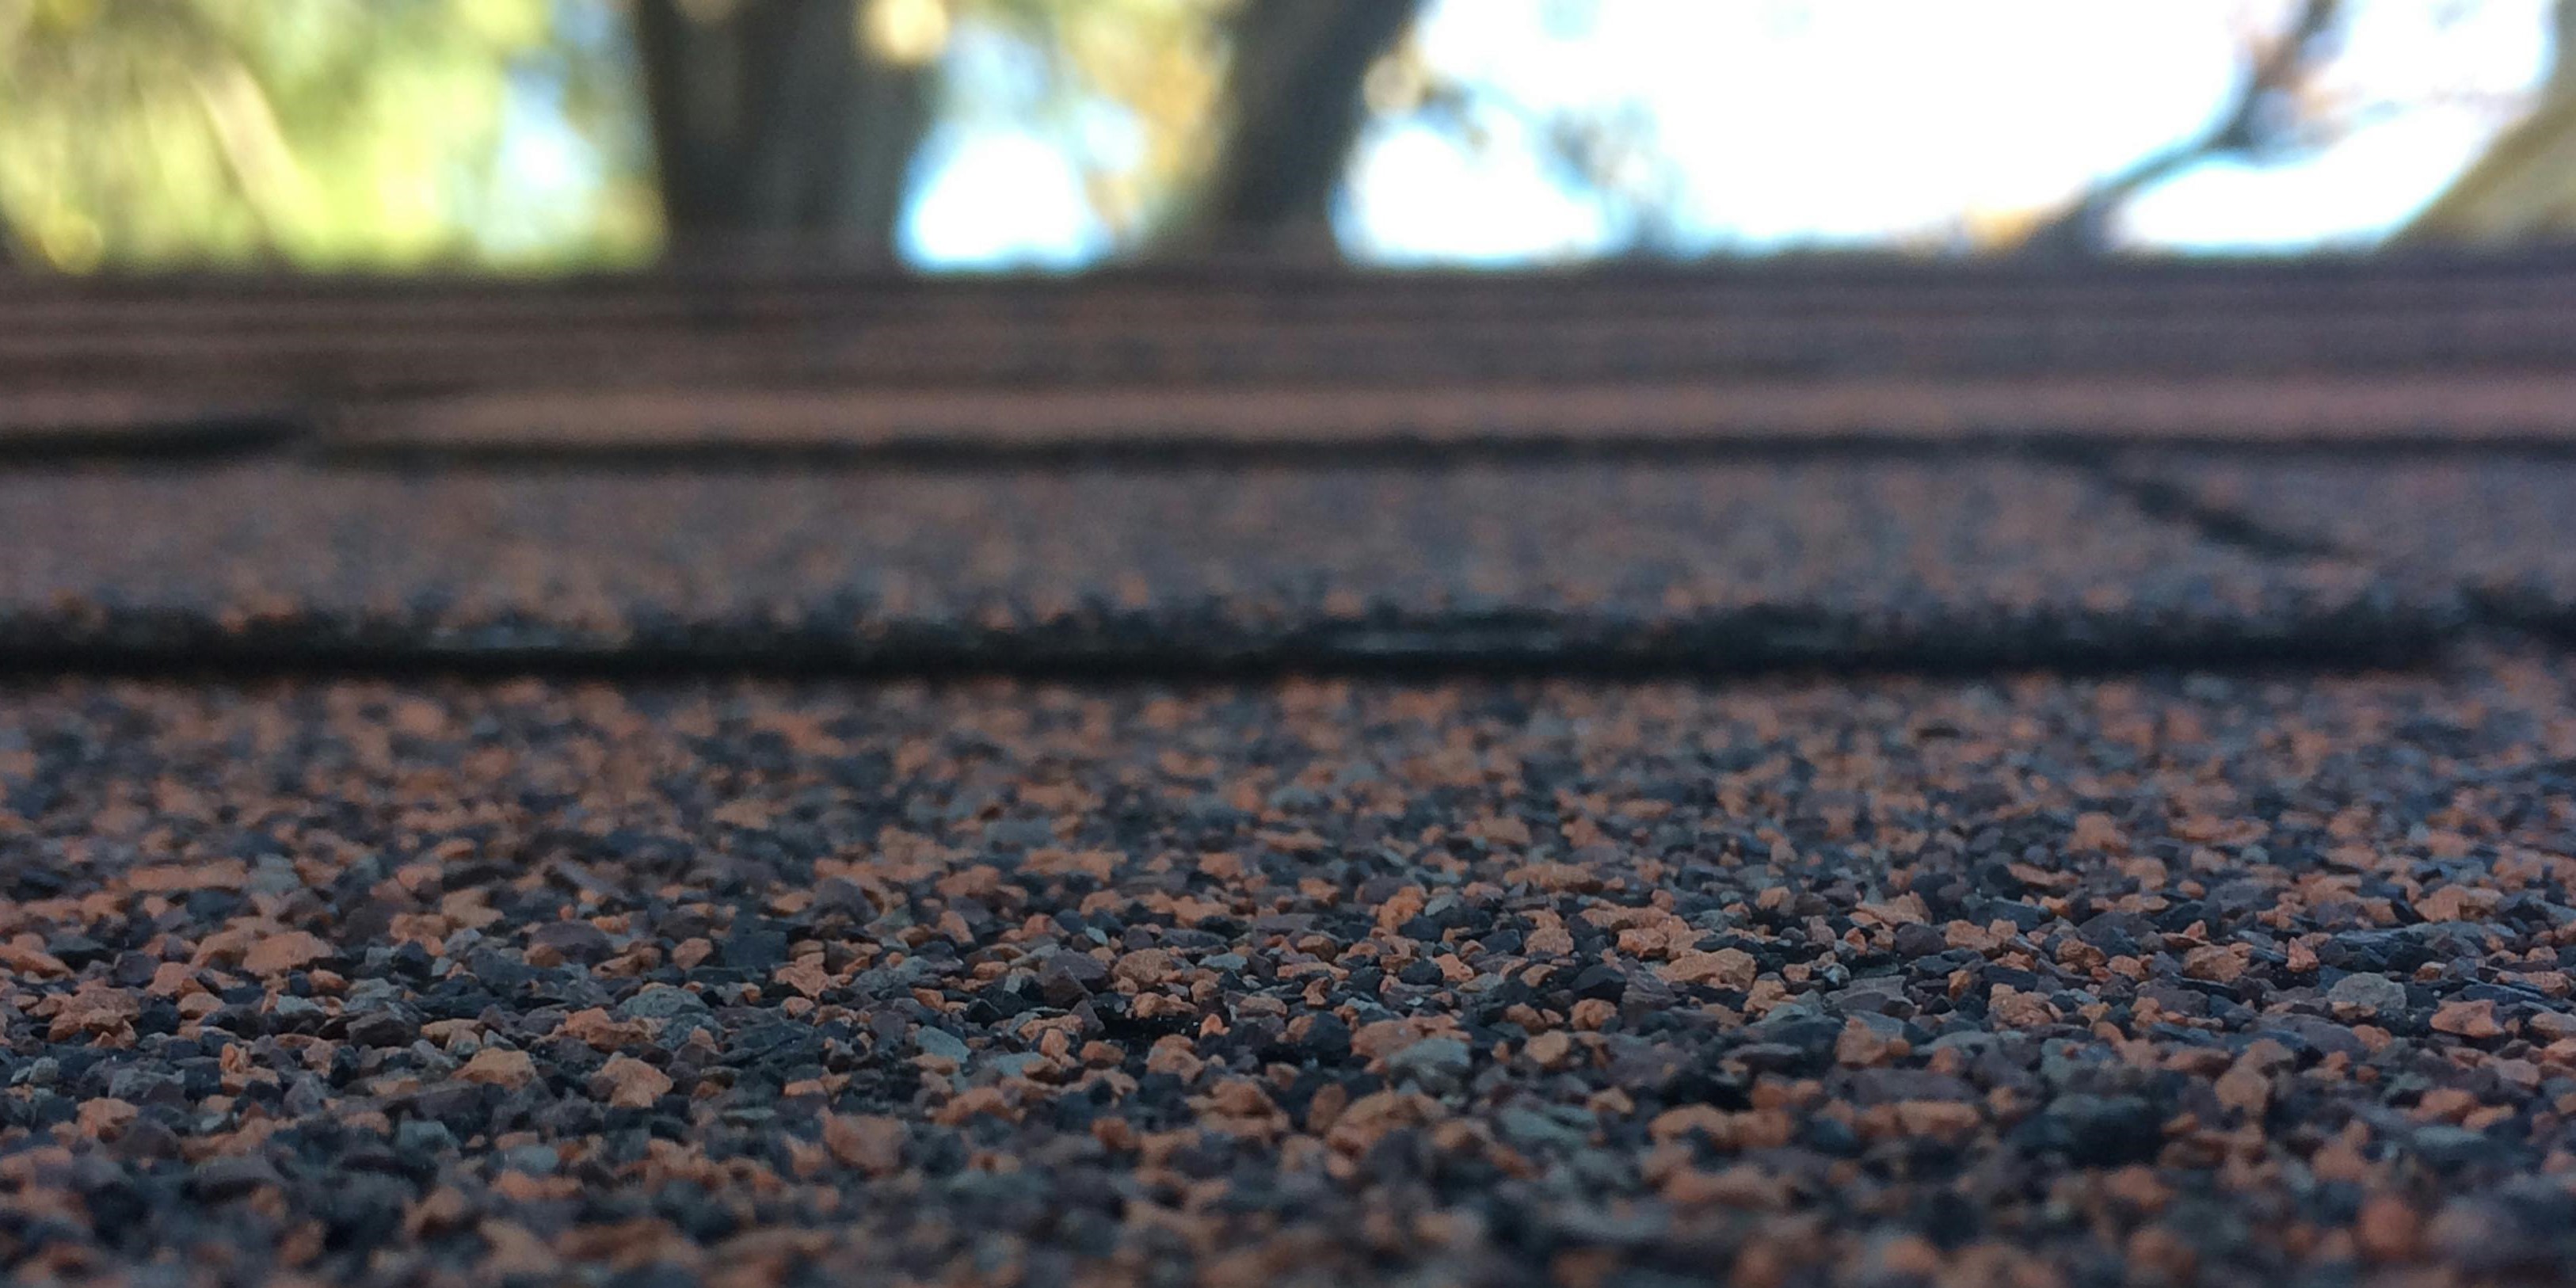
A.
x: 2173, y: 503
x: 1739, y: 645
x: 273, y: 432
x: 1134, y: 454
x: 2522, y: 611
x: 303, y: 436
x: 2485, y: 609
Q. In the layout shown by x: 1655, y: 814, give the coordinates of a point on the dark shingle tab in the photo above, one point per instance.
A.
x: 1434, y: 412
x: 2500, y: 527
x: 2363, y: 353
x: 1924, y: 562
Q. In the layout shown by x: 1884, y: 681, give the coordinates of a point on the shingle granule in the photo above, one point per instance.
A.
x: 2500, y: 527
x: 1977, y: 560
x: 2014, y: 980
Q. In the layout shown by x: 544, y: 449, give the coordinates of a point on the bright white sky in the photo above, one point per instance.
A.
x: 1857, y: 123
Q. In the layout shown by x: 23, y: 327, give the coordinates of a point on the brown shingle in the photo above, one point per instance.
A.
x: 1723, y: 565
x: 1388, y: 975
x: 1943, y: 968
x: 2499, y: 526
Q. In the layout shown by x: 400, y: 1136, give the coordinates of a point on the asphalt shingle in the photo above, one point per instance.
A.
x: 852, y: 780
x: 857, y: 421
x: 1932, y: 562
x: 2246, y: 978
x: 2500, y: 527
x: 2360, y: 353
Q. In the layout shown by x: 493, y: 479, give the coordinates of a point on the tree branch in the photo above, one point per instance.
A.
x: 2083, y: 231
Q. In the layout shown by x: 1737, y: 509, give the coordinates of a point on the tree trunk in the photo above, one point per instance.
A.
x: 775, y: 127
x: 1292, y: 111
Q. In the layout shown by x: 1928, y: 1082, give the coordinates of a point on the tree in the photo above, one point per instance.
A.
x: 2524, y: 187
x: 799, y: 120
x: 1233, y: 120
x: 316, y: 132
x: 396, y: 132
x: 2258, y: 119
x: 1292, y: 109
x: 787, y: 120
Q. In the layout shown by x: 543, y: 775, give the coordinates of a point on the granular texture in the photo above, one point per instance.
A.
x: 2498, y: 526
x: 1922, y: 562
x: 2010, y: 980
x: 842, y: 418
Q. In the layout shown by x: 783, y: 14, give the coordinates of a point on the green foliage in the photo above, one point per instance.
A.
x: 1155, y: 66
x: 394, y: 134
x: 1127, y: 90
x: 391, y: 134
x: 329, y: 133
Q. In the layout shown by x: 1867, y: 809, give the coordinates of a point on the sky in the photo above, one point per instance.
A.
x: 1788, y: 124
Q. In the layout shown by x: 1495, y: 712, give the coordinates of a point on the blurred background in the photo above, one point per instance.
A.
x: 1059, y: 134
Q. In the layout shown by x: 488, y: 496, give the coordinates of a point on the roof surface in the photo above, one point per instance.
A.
x: 1853, y: 775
